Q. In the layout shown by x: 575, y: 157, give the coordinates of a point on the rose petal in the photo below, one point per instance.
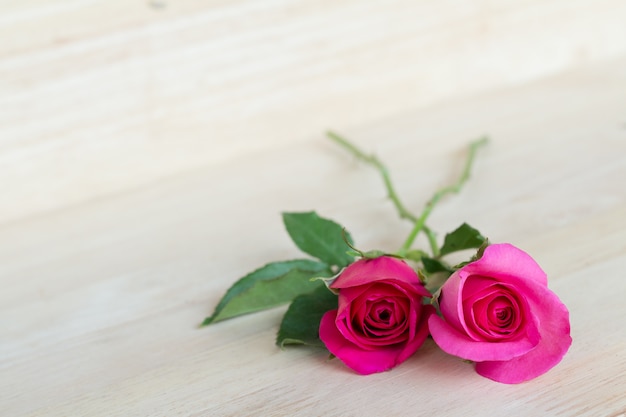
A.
x: 366, y: 271
x: 353, y: 295
x: 554, y: 342
x: 370, y: 361
x: 421, y: 333
x: 503, y: 260
x: 362, y: 361
x: 451, y: 303
x: 456, y: 343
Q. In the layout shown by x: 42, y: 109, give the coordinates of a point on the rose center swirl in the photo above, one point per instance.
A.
x: 496, y: 314
x: 381, y: 320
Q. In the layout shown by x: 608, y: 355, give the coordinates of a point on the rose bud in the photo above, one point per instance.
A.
x: 380, y: 320
x: 498, y: 312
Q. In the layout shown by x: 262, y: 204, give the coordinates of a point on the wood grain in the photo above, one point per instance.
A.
x: 147, y: 151
x: 102, y: 96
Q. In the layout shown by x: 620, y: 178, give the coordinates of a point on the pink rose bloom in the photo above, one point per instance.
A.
x: 380, y: 320
x: 499, y: 312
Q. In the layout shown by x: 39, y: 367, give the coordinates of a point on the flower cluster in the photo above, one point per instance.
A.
x: 373, y: 310
x: 496, y: 311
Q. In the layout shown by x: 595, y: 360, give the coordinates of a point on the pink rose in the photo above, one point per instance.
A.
x: 381, y: 320
x: 499, y: 312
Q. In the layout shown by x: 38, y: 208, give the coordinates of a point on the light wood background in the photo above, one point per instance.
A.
x: 148, y: 148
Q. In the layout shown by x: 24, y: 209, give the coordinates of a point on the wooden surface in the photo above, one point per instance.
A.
x: 147, y: 150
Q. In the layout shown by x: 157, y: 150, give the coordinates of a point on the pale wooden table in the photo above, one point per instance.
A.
x: 130, y: 205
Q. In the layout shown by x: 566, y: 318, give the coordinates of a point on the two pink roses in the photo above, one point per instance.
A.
x: 496, y: 311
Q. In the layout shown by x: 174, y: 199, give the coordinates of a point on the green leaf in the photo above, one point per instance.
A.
x: 464, y: 237
x: 301, y: 322
x: 319, y: 237
x: 432, y: 266
x: 269, y: 286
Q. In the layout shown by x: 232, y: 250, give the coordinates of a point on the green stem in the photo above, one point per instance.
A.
x: 375, y: 162
x: 454, y: 188
x: 391, y: 192
x: 432, y: 241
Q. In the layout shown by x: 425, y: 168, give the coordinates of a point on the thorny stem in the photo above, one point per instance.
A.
x: 454, y: 188
x: 391, y: 192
